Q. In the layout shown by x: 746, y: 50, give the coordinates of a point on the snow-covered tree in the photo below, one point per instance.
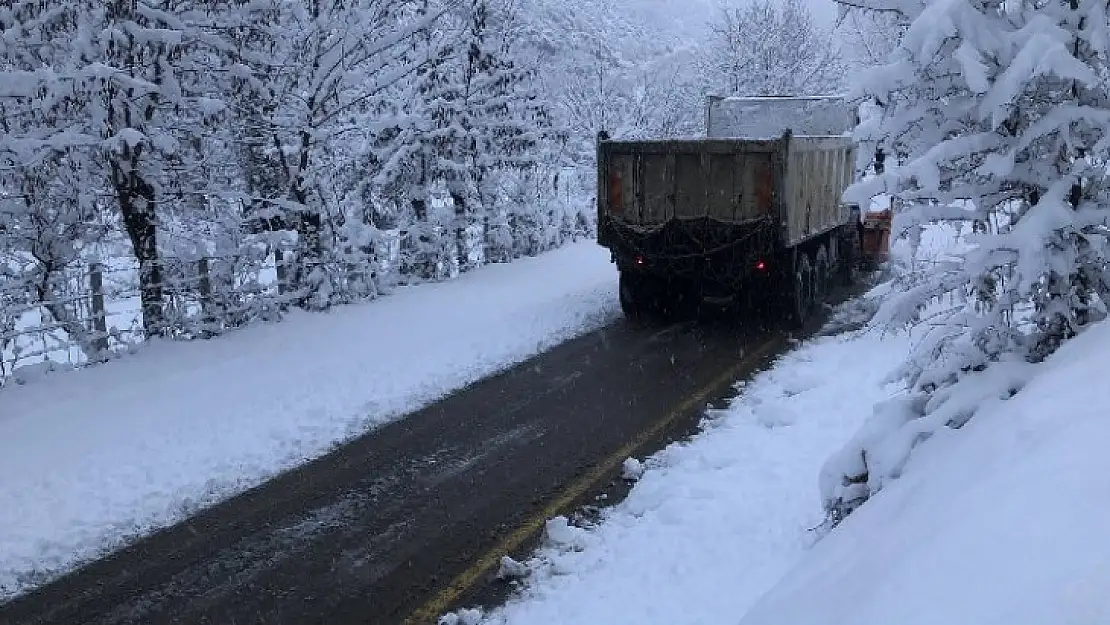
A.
x: 996, y: 114
x: 509, y: 123
x: 771, y: 47
x: 469, y: 116
x: 318, y: 69
x: 870, y: 37
x: 121, y: 88
x: 409, y: 130
x: 601, y: 68
x: 203, y: 137
x: 658, y: 99
x: 47, y: 220
x: 42, y: 206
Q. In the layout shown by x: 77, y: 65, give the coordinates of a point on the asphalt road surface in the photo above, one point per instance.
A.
x: 406, y: 520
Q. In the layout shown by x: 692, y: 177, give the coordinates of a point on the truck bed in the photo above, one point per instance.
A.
x: 646, y: 184
x: 793, y: 182
x: 818, y: 169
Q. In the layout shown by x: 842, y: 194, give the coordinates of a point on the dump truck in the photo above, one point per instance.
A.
x: 754, y: 218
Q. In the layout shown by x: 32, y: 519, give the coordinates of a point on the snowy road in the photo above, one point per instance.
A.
x: 369, y: 532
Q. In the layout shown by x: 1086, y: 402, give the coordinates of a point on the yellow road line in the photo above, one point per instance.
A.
x: 444, y: 599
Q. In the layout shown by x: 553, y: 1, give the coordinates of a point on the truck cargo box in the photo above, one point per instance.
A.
x: 818, y: 169
x: 794, y: 183
x: 648, y: 183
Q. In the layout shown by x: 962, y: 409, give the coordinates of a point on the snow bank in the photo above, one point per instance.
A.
x: 90, y: 458
x: 1002, y: 521
x: 712, y: 523
x: 877, y: 453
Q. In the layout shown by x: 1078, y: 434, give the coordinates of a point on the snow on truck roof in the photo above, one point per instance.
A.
x: 759, y: 117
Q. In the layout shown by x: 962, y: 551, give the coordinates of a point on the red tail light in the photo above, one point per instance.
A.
x: 760, y: 265
x: 639, y: 260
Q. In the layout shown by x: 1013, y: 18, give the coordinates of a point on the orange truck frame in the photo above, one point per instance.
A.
x: 875, y: 242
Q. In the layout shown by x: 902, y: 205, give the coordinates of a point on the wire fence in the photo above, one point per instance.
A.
x: 90, y: 312
x: 94, y: 312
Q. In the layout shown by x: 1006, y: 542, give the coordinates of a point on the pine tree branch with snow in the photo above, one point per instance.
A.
x: 997, y: 114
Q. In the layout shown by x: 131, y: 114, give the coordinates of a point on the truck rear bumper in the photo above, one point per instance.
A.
x: 719, y: 258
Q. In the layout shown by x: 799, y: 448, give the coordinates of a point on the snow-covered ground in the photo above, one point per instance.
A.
x: 715, y: 521
x: 1003, y: 521
x: 91, y: 458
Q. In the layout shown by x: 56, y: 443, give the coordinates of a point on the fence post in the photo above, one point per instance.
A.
x: 284, y: 277
x: 99, y: 315
x: 205, y: 282
x: 208, y: 316
x: 279, y: 266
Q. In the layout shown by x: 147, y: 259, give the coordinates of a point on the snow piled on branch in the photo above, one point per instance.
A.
x: 995, y: 119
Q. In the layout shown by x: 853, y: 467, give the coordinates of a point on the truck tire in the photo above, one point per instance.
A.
x: 851, y: 250
x: 801, y: 296
x: 639, y: 296
x: 631, y: 296
x: 822, y: 277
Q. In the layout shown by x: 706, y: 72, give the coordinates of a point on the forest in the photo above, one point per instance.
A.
x: 178, y: 168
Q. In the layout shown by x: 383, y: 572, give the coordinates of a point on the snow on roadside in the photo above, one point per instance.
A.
x: 91, y: 458
x: 1001, y: 521
x: 714, y: 522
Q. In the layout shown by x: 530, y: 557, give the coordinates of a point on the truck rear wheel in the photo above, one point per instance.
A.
x: 851, y: 249
x: 822, y: 282
x: 637, y: 295
x: 801, y: 299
